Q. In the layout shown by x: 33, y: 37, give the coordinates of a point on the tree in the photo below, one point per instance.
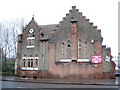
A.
x: 8, y: 46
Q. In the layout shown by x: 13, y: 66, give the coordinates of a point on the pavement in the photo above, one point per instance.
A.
x: 110, y: 82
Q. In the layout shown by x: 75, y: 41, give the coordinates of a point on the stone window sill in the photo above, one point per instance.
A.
x: 31, y: 46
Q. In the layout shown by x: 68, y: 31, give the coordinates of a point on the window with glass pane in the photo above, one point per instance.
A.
x: 29, y: 35
x: 68, y: 49
x: 86, y: 49
x: 28, y: 62
x: 29, y: 42
x: 32, y: 41
x: 31, y: 62
x: 23, y: 62
x: 80, y: 48
x: 62, y: 50
x: 36, y: 62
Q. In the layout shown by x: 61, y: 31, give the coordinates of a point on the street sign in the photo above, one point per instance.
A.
x: 97, y: 59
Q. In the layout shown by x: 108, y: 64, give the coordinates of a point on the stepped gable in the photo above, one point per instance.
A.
x: 86, y: 30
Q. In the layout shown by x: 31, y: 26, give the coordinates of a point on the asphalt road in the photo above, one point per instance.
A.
x: 23, y: 85
x: 8, y: 84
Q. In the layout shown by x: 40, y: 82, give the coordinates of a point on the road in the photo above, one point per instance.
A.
x: 9, y: 84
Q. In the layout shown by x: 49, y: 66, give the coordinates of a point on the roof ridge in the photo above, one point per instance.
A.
x: 48, y: 25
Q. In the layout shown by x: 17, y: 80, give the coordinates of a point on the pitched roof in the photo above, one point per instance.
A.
x: 32, y: 21
x: 46, y: 29
x: 86, y: 30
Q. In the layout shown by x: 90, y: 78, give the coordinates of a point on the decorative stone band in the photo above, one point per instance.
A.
x: 29, y: 68
x: 31, y: 46
x: 69, y: 60
x: 30, y: 58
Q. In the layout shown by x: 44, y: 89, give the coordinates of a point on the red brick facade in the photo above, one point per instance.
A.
x: 64, y: 50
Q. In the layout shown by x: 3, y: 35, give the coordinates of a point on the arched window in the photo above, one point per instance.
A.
x: 36, y: 62
x: 63, y: 51
x: 24, y: 62
x: 28, y: 62
x: 80, y: 49
x: 69, y: 49
x: 31, y: 62
x: 85, y: 50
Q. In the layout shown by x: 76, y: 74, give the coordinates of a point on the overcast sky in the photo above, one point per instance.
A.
x: 103, y: 13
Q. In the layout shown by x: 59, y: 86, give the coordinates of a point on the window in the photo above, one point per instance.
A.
x: 29, y: 35
x: 31, y: 63
x: 63, y: 51
x: 23, y: 62
x: 68, y: 49
x: 86, y: 50
x: 36, y: 62
x: 80, y: 49
x: 28, y: 62
x: 30, y: 41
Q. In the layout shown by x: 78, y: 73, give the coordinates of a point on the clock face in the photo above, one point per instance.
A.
x: 31, y: 30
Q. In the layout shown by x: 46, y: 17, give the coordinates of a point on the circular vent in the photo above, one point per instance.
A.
x: 31, y: 30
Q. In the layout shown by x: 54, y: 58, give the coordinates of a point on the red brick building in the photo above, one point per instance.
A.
x: 71, y: 49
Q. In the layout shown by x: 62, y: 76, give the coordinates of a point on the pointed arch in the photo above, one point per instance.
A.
x: 85, y: 50
x: 68, y: 49
x: 63, y: 51
x: 79, y: 48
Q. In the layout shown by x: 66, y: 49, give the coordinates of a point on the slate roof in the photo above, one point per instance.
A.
x: 86, y: 30
x: 47, y: 29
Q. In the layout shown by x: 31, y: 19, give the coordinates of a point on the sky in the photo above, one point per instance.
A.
x: 103, y: 14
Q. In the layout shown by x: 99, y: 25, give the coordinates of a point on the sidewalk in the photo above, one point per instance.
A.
x: 63, y: 81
